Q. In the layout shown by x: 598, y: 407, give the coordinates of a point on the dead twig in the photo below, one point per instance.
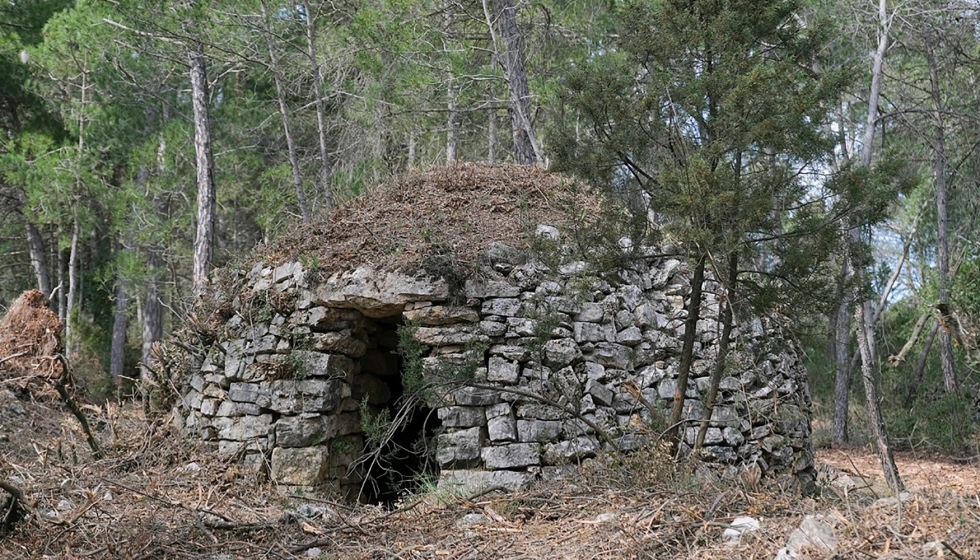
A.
x: 61, y: 385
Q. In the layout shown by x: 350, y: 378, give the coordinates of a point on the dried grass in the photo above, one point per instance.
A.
x: 456, y: 209
x: 155, y: 497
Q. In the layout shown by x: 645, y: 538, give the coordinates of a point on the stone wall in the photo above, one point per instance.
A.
x: 549, y: 352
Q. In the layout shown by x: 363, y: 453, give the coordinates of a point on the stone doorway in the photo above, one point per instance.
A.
x: 406, y: 461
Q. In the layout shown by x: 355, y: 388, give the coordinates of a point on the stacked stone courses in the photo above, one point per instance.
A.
x: 555, y: 350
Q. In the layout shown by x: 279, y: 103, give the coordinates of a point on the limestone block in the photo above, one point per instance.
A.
x: 630, y: 296
x: 340, y: 342
x: 243, y: 428
x: 331, y: 319
x: 499, y: 253
x: 502, y: 428
x: 529, y: 431
x: 475, y: 396
x: 589, y: 332
x: 630, y: 336
x: 501, y: 370
x: 510, y: 352
x: 562, y: 304
x: 231, y: 408
x: 244, y: 392
x: 538, y: 411
x: 290, y: 396
x: 493, y: 328
x: 601, y: 394
x: 459, y: 449
x: 439, y: 315
x: 462, y: 416
x: 564, y: 452
x: 503, y: 307
x: 197, y: 382
x: 468, y: 483
x: 511, y: 456
x: 517, y: 326
x: 561, y: 352
x: 483, y: 289
x: 732, y: 436
x: 192, y: 400
x: 378, y: 293
x: 593, y: 370
x: 235, y: 361
x: 612, y: 355
x: 209, y: 406
x: 711, y: 437
x: 448, y: 336
x: 317, y: 364
x: 304, y: 466
x: 591, y: 313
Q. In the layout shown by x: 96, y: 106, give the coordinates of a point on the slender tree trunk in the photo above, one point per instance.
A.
x: 35, y: 248
x: 920, y: 366
x: 451, y: 124
x: 687, y: 352
x: 152, y: 314
x: 73, y: 289
x: 492, y: 135
x: 865, y: 336
x: 321, y: 113
x: 510, y: 53
x: 451, y: 116
x: 117, y: 359
x: 942, y: 235
x: 842, y: 379
x: 727, y: 321
x: 204, y: 239
x: 284, y: 114
x: 864, y: 326
x: 63, y: 258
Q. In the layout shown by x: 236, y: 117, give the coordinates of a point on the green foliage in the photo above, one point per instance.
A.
x: 940, y: 423
x: 375, y: 424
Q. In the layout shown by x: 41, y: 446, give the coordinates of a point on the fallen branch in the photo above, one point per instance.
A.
x: 12, y: 356
x: 14, y: 509
x: 61, y: 385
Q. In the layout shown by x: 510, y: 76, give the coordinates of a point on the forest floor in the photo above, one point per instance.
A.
x: 152, y: 496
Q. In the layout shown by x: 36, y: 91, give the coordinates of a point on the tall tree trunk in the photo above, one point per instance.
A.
x: 451, y: 124
x: 117, y: 358
x: 687, y: 351
x: 492, y: 135
x: 942, y: 235
x: 865, y: 336
x: 204, y: 239
x: 63, y: 258
x: 73, y: 289
x: 321, y: 113
x: 727, y: 322
x: 510, y: 53
x: 842, y: 378
x: 920, y: 366
x: 35, y: 248
x: 864, y: 326
x: 284, y: 114
x: 451, y: 117
x: 152, y: 314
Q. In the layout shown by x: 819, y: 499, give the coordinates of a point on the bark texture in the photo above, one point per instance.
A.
x: 511, y: 57
x: 204, y: 238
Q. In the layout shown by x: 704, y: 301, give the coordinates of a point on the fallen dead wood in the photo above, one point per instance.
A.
x: 13, y: 508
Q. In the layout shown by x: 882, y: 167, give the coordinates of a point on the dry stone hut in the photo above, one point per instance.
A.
x: 475, y: 269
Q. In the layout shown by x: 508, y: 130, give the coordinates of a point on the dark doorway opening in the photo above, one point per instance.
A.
x: 406, y: 461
